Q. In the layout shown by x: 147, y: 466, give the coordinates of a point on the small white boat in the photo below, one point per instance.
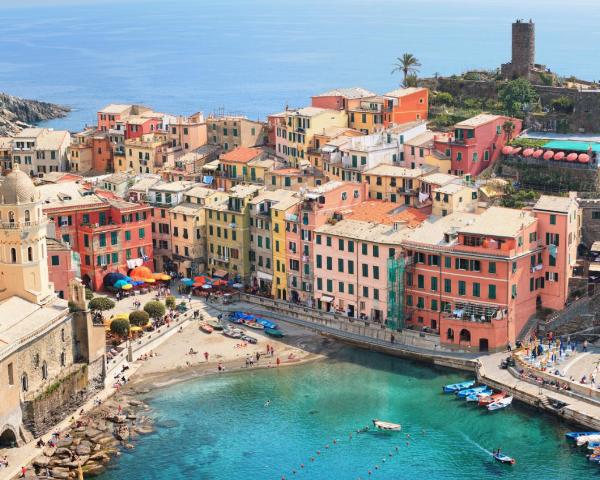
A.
x: 386, y: 425
x: 502, y: 403
x: 583, y: 439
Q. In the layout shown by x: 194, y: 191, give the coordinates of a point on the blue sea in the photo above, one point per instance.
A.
x: 218, y: 428
x: 256, y: 56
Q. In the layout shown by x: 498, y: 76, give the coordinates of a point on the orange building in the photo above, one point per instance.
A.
x: 406, y: 105
x: 233, y: 166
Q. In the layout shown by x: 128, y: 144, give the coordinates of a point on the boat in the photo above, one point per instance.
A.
x: 476, y: 397
x: 255, y: 325
x: 584, y: 439
x: 249, y: 339
x: 265, y: 323
x: 456, y: 387
x: 206, y: 328
x: 215, y: 323
x: 575, y: 435
x: 502, y: 403
x: 500, y: 457
x: 593, y: 445
x: 232, y: 332
x: 380, y: 425
x: 491, y: 398
x: 273, y: 332
x: 468, y: 391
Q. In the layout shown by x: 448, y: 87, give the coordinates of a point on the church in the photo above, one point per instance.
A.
x: 51, y: 359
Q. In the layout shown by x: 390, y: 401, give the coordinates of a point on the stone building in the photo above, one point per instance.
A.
x: 49, y: 357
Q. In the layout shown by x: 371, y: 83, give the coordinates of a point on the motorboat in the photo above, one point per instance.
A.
x: 380, y: 425
x: 249, y: 339
x: 477, y: 396
x: 273, y: 332
x: 254, y: 325
x: 468, y: 391
x: 500, y: 457
x: 232, y: 332
x: 502, y: 403
x: 456, y: 387
x: 584, y: 439
x: 575, y: 435
x: 215, y: 323
x: 491, y: 398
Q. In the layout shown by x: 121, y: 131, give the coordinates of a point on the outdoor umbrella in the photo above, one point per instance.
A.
x: 120, y: 284
x: 207, y: 286
x: 188, y: 282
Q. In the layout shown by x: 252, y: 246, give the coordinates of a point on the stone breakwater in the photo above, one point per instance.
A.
x: 92, y: 441
x: 19, y: 113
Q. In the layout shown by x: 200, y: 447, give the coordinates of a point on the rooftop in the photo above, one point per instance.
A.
x: 199, y: 192
x: 310, y: 111
x: 115, y: 109
x: 386, y: 213
x: 422, y: 140
x: 45, y: 138
x: 439, y: 178
x: 572, y: 145
x: 450, y: 188
x: 365, y: 231
x: 144, y: 183
x: 551, y: 203
x: 241, y: 154
x: 433, y: 230
x: 404, y: 127
x: 499, y: 221
x: 53, y: 245
x: 403, y: 92
x: 118, y: 178
x: 179, y: 186
x: 186, y: 209
x: 388, y: 170
x: 281, y: 199
x: 349, y: 93
x: 478, y: 120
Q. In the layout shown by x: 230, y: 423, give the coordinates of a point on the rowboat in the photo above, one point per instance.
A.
x: 456, y: 387
x: 206, y: 328
x: 249, y: 339
x: 491, y: 398
x: 476, y: 397
x: 215, y: 323
x: 273, y: 332
x: 255, y: 325
x: 468, y: 391
x: 575, y: 435
x: 380, y: 425
x: 583, y: 439
x: 232, y: 332
x: 500, y: 457
x: 502, y: 403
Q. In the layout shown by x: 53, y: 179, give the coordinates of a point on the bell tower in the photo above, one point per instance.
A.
x: 23, y: 254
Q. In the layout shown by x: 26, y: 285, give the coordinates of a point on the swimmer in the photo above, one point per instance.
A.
x: 267, y: 403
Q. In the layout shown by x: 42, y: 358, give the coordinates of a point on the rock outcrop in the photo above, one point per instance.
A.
x: 18, y: 113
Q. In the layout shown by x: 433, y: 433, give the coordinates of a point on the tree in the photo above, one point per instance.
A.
x: 509, y: 128
x: 517, y: 96
x: 443, y: 98
x: 155, y: 309
x: 88, y: 294
x: 408, y: 64
x: 139, y: 318
x: 170, y: 302
x: 562, y: 104
x: 120, y: 327
x: 100, y: 304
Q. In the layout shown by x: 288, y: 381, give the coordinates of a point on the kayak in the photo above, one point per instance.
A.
x: 206, y: 328
x: 502, y: 403
x: 476, y: 397
x: 491, y: 398
x: 456, y: 387
x: 468, y: 391
x: 273, y: 332
x: 500, y: 457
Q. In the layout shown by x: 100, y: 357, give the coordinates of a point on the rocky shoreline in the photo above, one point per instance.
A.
x: 86, y: 448
x: 18, y: 113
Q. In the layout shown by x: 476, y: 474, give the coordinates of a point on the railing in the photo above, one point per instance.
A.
x: 22, y: 225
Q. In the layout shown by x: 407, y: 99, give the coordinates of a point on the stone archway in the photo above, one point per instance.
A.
x: 8, y: 437
x: 465, y: 336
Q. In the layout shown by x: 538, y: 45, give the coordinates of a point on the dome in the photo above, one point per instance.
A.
x: 17, y: 188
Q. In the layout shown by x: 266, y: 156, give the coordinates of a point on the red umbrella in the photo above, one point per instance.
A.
x: 572, y: 157
x: 559, y: 156
x: 219, y: 283
x: 538, y: 153
x: 507, y: 150
x: 528, y: 152
x: 548, y: 154
x: 584, y: 158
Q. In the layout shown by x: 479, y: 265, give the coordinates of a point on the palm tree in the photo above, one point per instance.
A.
x: 509, y: 128
x: 407, y: 64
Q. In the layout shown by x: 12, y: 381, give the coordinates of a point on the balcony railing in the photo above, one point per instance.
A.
x: 21, y: 225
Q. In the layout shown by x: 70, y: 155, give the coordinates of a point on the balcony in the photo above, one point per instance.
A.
x: 475, y: 312
x: 22, y: 225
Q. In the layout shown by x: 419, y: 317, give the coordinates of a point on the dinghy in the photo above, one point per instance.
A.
x: 584, y: 439
x: 491, y: 398
x: 575, y: 435
x: 477, y: 396
x: 206, y: 328
x: 502, y: 403
x: 468, y: 391
x: 457, y: 387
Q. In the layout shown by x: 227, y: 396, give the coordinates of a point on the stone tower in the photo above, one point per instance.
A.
x: 23, y: 255
x: 523, y: 47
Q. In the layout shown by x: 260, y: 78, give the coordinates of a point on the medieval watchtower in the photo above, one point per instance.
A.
x: 523, y: 50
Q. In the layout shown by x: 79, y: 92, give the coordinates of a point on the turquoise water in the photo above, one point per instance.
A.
x: 218, y: 428
x: 256, y: 56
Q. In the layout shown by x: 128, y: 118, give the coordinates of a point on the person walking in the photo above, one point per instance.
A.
x: 206, y: 356
x: 392, y: 338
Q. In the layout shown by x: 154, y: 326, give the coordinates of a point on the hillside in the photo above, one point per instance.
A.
x: 18, y: 113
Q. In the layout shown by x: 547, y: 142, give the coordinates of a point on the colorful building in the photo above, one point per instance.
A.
x: 453, y: 197
x: 338, y: 98
x: 90, y: 150
x: 231, y: 131
x: 293, y: 178
x: 406, y: 105
x: 6, y: 153
x: 113, y: 115
x: 62, y: 267
x: 396, y: 184
x: 148, y: 153
x: 233, y: 166
x: 41, y: 150
x: 477, y: 142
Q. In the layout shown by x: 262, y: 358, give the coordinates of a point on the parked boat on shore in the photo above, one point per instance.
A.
x: 215, y: 323
x: 273, y: 332
x: 254, y: 325
x: 456, y: 387
x: 502, y: 403
x: 585, y: 439
x: 206, y: 328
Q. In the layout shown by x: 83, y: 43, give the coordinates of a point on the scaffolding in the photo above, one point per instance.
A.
x: 396, y: 268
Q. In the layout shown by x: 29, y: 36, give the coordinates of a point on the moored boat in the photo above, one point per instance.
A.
x: 215, y: 323
x: 273, y: 332
x: 206, y: 328
x: 491, y: 398
x: 456, y: 387
x: 380, y: 425
x: 232, y: 332
x: 500, y: 457
x: 475, y: 397
x: 468, y: 391
x: 502, y: 403
x: 254, y: 325
x: 585, y: 439
x: 575, y: 435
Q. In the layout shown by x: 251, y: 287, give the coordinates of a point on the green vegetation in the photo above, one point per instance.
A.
x: 442, y: 98
x: 120, y: 327
x: 409, y: 65
x: 562, y: 104
x: 73, y: 307
x: 155, y: 309
x: 547, y: 79
x: 517, y: 97
x: 528, y: 142
x: 170, y: 302
x: 517, y: 199
x: 139, y: 318
x: 54, y: 386
x: 88, y: 294
x: 100, y: 304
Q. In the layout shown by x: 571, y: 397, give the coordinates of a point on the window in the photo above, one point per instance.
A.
x: 476, y: 289
x: 420, y: 302
x: 341, y: 244
x: 448, y: 262
x: 375, y: 272
x: 514, y: 291
x: 350, y: 246
x: 340, y: 265
x: 462, y: 288
x: 492, y: 267
x: 364, y: 248
x: 447, y: 285
x: 365, y: 270
x: 55, y: 260
x: 376, y: 251
x: 492, y: 292
x: 552, y: 219
x: 114, y: 237
x: 351, y: 267
x: 375, y: 294
x: 434, y: 284
x: 514, y: 267
x: 365, y: 292
x: 127, y: 235
x: 329, y: 263
x: 141, y: 233
x: 102, y: 239
x: 329, y: 285
x: 434, y: 305
x: 420, y: 281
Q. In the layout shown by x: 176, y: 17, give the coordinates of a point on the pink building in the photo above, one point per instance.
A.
x: 477, y: 142
x: 60, y: 266
x: 337, y: 99
x: 319, y: 205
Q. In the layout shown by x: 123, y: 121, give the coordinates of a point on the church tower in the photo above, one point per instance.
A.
x: 23, y: 254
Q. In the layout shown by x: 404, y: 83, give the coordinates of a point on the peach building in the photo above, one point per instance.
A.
x: 338, y: 98
x: 406, y: 105
x: 233, y: 166
x: 61, y: 268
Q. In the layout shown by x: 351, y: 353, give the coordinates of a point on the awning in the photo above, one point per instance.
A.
x: 220, y: 273
x: 326, y: 298
x: 264, y: 276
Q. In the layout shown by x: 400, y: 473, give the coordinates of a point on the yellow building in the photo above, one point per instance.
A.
x: 395, y: 184
x: 228, y: 233
x: 146, y: 154
x: 294, y: 178
x: 366, y: 114
x: 454, y: 197
x: 230, y: 132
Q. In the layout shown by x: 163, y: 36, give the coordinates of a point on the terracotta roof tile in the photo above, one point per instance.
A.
x: 241, y: 154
